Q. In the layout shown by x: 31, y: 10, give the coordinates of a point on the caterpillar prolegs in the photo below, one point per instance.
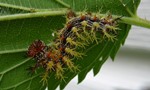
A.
x: 78, y: 32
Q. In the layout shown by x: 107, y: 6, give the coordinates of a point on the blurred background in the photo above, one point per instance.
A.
x: 131, y: 68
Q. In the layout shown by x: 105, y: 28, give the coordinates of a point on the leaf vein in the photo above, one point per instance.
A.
x: 24, y: 81
x: 15, y: 66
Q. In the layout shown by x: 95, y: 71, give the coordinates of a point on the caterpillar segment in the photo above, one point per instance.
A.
x: 78, y: 32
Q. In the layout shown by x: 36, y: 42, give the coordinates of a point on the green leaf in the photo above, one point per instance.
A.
x: 16, y: 36
x: 28, y: 20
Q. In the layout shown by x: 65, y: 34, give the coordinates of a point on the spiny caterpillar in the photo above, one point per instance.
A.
x: 78, y: 32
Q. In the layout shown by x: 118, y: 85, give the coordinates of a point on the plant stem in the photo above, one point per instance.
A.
x: 43, y: 13
x: 15, y: 7
x: 27, y: 9
x: 32, y: 15
x: 136, y: 21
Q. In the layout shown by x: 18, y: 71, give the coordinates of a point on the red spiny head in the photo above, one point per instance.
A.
x: 35, y: 48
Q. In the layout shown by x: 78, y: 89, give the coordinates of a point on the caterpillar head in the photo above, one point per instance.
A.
x: 35, y: 48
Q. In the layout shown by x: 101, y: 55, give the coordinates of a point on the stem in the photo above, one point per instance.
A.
x: 43, y: 13
x: 15, y: 7
x: 136, y: 21
x: 32, y: 15
x: 32, y: 9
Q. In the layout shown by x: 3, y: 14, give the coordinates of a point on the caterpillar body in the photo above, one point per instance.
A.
x: 78, y: 32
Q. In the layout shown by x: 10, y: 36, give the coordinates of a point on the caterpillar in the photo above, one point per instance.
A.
x: 78, y: 32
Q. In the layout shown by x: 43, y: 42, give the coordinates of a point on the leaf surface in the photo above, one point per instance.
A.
x: 16, y: 35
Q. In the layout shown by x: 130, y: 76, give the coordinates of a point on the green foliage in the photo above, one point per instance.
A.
x: 16, y: 35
